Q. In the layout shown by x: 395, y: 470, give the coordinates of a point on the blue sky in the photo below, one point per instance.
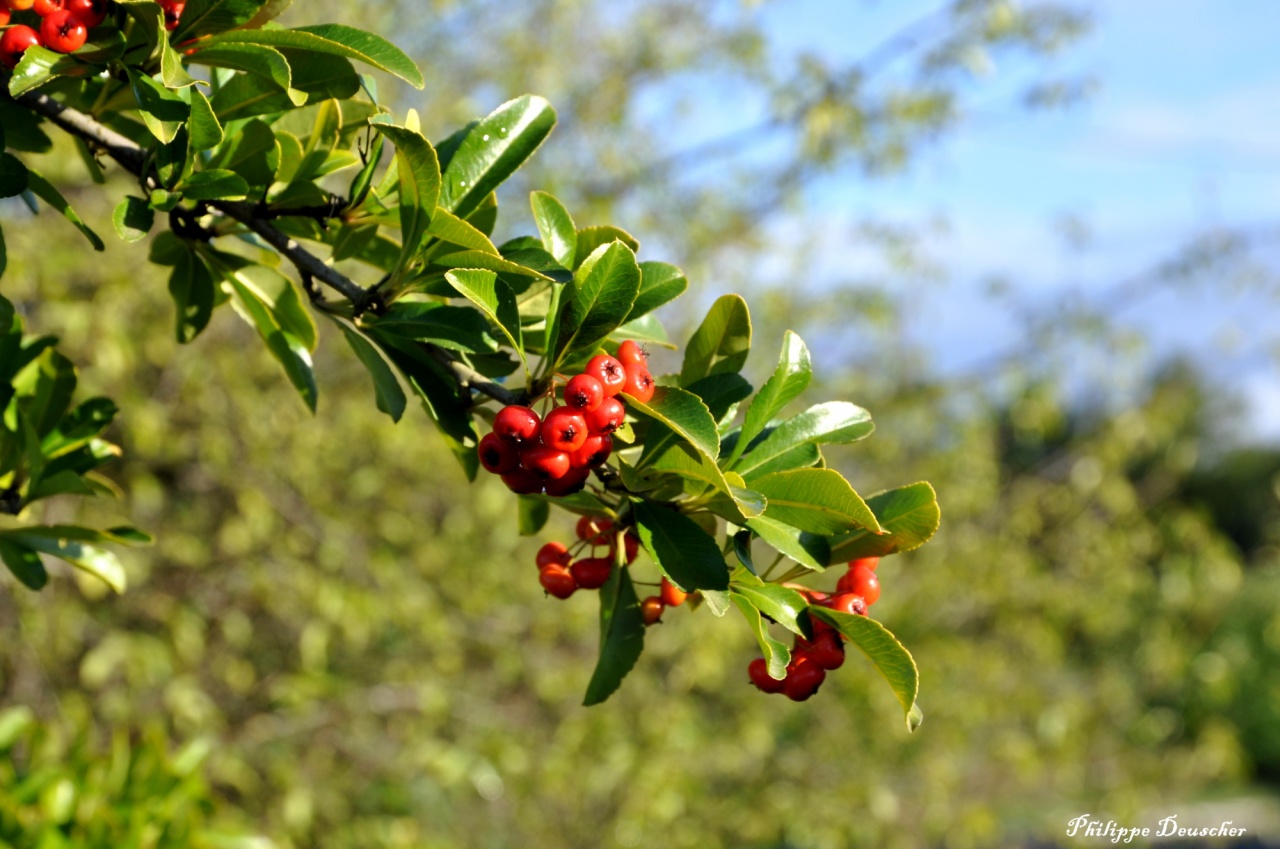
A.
x: 1182, y: 134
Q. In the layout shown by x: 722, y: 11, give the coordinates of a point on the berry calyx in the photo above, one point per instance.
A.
x: 758, y: 672
x: 522, y: 483
x: 594, y: 452
x: 517, y: 425
x: 583, y: 392
x: 639, y: 384
x: 557, y: 580
x: 553, y: 553
x: 14, y: 43
x: 609, y: 371
x: 631, y: 354
x: 564, y: 429
x: 651, y: 610
x: 804, y: 677
x: 607, y: 417
x: 90, y: 12
x: 497, y: 456
x: 544, y: 462
x: 591, y: 573
x: 850, y: 603
x: 63, y: 32
x: 672, y: 596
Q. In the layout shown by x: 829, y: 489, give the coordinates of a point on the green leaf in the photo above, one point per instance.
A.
x: 332, y: 40
x: 42, y: 189
x: 659, y: 283
x: 487, y: 261
x: 590, y: 239
x: 805, y: 548
x: 598, y: 301
x: 4, y: 263
x: 39, y: 65
x: 133, y: 218
x: 98, y: 562
x: 457, y: 328
x: 291, y: 352
x: 248, y: 153
x: 24, y: 564
x: 257, y: 59
x: 193, y: 291
x: 78, y: 426
x: 681, y: 548
x: 911, y: 516
x: 555, y: 225
x: 22, y: 128
x: 13, y: 176
x: 214, y: 184
x: 206, y: 132
x: 452, y: 230
x: 884, y: 651
x: 491, y: 150
x: 684, y: 413
x: 419, y: 185
x: 621, y: 636
x: 721, y: 343
x: 494, y: 298
x: 820, y: 501
x: 163, y: 111
x: 776, y: 653
x: 836, y: 422
x: 789, y: 379
x: 201, y: 17
x: 288, y: 307
x: 388, y: 394
x: 720, y: 392
x: 779, y: 603
x: 534, y: 513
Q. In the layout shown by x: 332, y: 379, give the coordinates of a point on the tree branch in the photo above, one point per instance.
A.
x: 133, y: 158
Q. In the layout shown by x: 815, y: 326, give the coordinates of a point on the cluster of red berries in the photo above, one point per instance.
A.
x: 556, y: 453
x: 561, y: 575
x: 857, y: 590
x: 64, y: 24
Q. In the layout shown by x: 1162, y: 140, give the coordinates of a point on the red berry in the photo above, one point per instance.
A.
x: 91, y: 12
x: 672, y: 596
x: 629, y: 353
x: 45, y: 8
x: 522, y: 483
x: 594, y: 452
x: 594, y: 530
x: 651, y: 609
x: 804, y: 677
x: 758, y: 671
x: 19, y: 5
x: 592, y: 572
x: 608, y: 370
x: 172, y: 12
x: 14, y: 43
x: 63, y: 32
x: 497, y: 456
x: 573, y: 481
x: 850, y: 603
x: 865, y: 583
x: 827, y: 651
x: 632, y: 546
x: 583, y: 392
x: 4, y: 17
x: 517, y: 425
x: 553, y: 553
x: 608, y: 417
x: 640, y: 383
x: 557, y: 580
x: 870, y: 562
x: 544, y: 462
x: 564, y: 429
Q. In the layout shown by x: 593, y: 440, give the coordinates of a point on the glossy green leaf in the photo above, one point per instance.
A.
x: 13, y: 176
x: 779, y: 603
x: 911, y: 516
x: 257, y: 59
x: 721, y: 343
x: 24, y: 564
x: 646, y: 330
x: 621, y: 636
x: 163, y: 111
x: 494, y: 298
x: 193, y: 291
x: 591, y: 239
x: 684, y: 413
x: 214, y: 184
x: 659, y: 284
x: 598, y: 301
x: 206, y: 132
x: 388, y: 394
x: 282, y: 295
x: 775, y: 652
x: 681, y: 548
x: 491, y: 150
x: 819, y: 501
x: 485, y: 260
x: 290, y: 351
x: 451, y: 229
x: 332, y: 40
x: 201, y: 17
x: 133, y: 218
x: 456, y: 328
x: 885, y: 652
x: 42, y: 189
x: 98, y: 562
x: 249, y: 153
x: 788, y: 380
x: 720, y: 392
x: 22, y: 130
x: 556, y: 227
x: 533, y: 515
x: 419, y: 185
x: 805, y: 548
x: 79, y: 425
x: 836, y: 422
x: 38, y: 66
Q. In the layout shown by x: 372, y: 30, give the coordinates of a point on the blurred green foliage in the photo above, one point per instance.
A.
x: 360, y: 635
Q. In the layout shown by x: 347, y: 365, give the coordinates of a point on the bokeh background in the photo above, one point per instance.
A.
x: 1036, y: 240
